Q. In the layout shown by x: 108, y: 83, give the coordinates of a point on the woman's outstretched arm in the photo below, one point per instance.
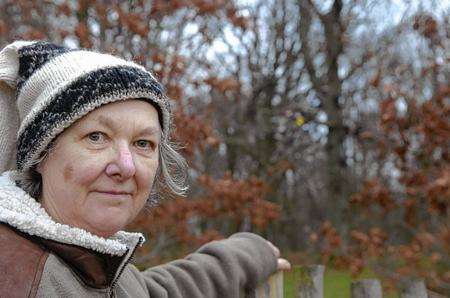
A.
x: 222, y: 268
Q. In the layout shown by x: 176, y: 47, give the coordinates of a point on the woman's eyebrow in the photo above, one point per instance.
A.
x: 149, y: 130
x: 105, y: 121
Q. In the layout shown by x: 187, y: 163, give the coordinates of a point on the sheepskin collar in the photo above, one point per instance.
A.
x: 24, y: 213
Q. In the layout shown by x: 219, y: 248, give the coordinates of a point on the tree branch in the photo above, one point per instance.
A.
x: 305, y: 25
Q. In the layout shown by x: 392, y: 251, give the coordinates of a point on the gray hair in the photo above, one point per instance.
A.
x: 170, y: 180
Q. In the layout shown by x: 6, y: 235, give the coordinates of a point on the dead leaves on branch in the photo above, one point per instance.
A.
x: 426, y: 25
x: 223, y: 85
x: 241, y: 199
x: 194, y: 133
x: 414, y: 138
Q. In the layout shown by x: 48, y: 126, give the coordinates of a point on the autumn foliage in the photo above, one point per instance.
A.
x: 400, y: 224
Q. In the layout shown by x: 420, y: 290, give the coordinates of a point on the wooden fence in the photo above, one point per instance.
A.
x: 311, y: 286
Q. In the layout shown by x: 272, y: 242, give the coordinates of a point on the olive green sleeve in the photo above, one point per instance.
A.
x: 222, y: 268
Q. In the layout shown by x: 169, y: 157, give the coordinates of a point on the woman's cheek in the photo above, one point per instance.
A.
x: 87, y: 170
x: 145, y: 176
x: 148, y: 170
x: 68, y: 172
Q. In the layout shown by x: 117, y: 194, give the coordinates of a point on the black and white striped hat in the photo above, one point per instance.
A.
x: 44, y: 88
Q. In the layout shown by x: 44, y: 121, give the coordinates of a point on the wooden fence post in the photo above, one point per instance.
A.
x: 366, y: 288
x: 311, y: 282
x: 414, y: 289
x: 272, y: 288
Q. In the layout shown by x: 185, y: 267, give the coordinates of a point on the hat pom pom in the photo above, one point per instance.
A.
x: 9, y: 62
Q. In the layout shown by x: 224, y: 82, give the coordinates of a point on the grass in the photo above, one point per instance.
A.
x: 336, y: 283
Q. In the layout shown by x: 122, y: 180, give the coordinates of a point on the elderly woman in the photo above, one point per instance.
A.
x: 84, y: 143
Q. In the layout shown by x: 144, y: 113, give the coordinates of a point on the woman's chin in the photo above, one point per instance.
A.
x: 105, y: 233
x: 106, y: 224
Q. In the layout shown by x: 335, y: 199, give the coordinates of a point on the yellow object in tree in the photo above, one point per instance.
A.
x: 299, y: 121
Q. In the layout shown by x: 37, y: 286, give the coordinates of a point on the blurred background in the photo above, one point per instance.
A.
x: 322, y: 125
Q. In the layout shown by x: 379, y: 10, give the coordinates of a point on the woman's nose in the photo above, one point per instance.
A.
x: 123, y: 164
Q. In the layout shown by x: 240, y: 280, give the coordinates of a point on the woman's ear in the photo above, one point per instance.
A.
x: 43, y: 159
x: 39, y: 167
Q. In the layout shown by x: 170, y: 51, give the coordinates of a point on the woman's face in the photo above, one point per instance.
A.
x: 101, y: 171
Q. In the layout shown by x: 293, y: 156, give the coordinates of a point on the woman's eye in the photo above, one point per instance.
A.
x: 96, y: 137
x: 144, y: 144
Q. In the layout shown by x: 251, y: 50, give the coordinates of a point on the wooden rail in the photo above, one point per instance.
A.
x: 311, y: 286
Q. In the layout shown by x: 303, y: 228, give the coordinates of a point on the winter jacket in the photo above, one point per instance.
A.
x: 43, y: 258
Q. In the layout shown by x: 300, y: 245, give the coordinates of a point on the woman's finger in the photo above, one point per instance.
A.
x: 283, y: 264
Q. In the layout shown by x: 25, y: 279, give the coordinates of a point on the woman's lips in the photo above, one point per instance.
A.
x: 113, y: 193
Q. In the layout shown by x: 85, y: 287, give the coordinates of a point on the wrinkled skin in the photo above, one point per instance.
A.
x: 101, y: 171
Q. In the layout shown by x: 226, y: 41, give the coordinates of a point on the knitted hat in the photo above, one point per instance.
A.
x: 44, y: 88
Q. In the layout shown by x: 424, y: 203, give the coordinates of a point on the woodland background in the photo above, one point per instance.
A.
x: 322, y: 125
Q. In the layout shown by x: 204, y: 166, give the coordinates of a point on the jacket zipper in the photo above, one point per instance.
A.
x: 114, y: 283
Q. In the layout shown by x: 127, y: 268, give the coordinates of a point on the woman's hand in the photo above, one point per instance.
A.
x: 283, y: 264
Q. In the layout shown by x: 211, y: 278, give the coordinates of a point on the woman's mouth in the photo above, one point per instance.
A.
x: 114, y: 194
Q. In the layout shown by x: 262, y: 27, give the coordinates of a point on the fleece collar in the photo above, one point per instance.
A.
x: 21, y: 211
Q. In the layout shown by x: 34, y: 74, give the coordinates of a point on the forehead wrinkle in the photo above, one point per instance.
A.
x: 149, y: 130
